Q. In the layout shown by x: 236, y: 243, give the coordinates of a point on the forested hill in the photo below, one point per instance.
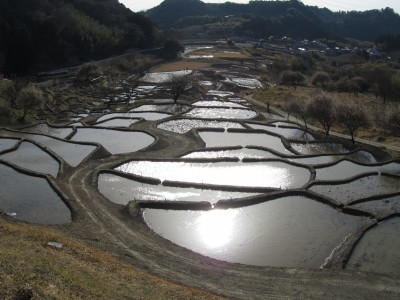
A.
x: 42, y: 34
x: 259, y: 19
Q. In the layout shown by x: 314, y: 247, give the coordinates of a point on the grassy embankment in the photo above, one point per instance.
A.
x: 28, y: 267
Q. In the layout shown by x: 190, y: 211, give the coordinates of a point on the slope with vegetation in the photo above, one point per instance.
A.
x: 260, y: 19
x: 40, y: 34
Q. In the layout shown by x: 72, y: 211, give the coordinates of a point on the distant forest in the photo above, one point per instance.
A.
x: 260, y: 19
x: 42, y: 34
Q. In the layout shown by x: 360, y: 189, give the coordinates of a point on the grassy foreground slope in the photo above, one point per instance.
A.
x: 30, y: 268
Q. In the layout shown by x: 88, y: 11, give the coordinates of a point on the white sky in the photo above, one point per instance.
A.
x: 334, y: 5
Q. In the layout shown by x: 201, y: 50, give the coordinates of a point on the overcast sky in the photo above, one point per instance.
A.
x: 335, y: 5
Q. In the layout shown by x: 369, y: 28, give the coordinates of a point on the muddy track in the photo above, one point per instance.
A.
x: 109, y: 226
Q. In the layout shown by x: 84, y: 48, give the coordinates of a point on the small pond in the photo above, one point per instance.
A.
x: 272, y: 174
x: 184, y: 125
x: 31, y: 199
x: 286, y: 232
x: 115, y: 141
x: 378, y: 250
x: 33, y: 158
x: 121, y: 190
x: 221, y: 113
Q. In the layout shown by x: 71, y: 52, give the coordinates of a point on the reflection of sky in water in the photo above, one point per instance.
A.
x: 149, y: 116
x: 319, y: 148
x: 184, y: 125
x: 114, y: 141
x: 31, y: 199
x: 290, y: 231
x: 72, y: 153
x: 52, y: 131
x: 121, y: 190
x: 221, y: 113
x: 378, y: 250
x: 118, y: 122
x: 7, y: 143
x: 361, y: 188
x: 289, y: 133
x: 260, y: 174
x: 31, y: 157
x: 237, y: 153
x: 231, y: 139
x: 347, y: 169
x: 215, y: 103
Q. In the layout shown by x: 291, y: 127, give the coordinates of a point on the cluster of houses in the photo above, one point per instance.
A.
x: 304, y: 46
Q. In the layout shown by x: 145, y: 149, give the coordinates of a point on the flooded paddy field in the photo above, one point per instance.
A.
x: 271, y: 193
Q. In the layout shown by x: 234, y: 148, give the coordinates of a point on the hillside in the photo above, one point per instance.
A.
x: 260, y: 19
x: 40, y: 34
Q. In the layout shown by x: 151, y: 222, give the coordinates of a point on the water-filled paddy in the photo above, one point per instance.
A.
x: 6, y: 144
x: 163, y: 77
x: 117, y: 122
x: 289, y: 133
x: 148, y: 116
x: 115, y: 141
x: 43, y: 128
x: 286, y: 232
x: 379, y: 249
x: 381, y: 207
x: 221, y: 113
x: 250, y: 83
x: 70, y: 152
x: 272, y: 174
x: 233, y: 153
x: 31, y: 199
x: 231, y: 139
x: 347, y: 169
x: 215, y: 103
x: 31, y: 157
x: 121, y: 190
x: 166, y: 108
x: 368, y: 186
x: 319, y: 148
x: 184, y: 125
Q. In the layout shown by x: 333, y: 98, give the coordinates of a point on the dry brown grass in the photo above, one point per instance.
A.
x: 180, y: 65
x: 278, y: 96
x: 77, y: 271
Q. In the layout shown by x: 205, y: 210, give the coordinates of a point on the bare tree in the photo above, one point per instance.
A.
x: 28, y: 98
x: 129, y: 85
x: 388, y: 120
x: 352, y: 116
x: 110, y: 90
x: 320, y: 79
x: 292, y: 78
x: 178, y: 85
x: 299, y: 107
x: 322, y: 108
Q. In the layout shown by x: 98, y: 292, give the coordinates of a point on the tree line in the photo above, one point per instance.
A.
x: 38, y: 34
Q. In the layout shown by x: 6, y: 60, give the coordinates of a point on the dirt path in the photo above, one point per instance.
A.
x: 109, y: 226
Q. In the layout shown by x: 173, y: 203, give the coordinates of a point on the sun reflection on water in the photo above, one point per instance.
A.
x: 216, y: 227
